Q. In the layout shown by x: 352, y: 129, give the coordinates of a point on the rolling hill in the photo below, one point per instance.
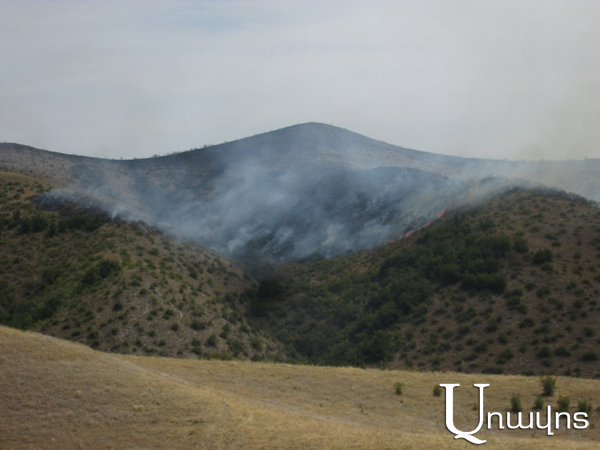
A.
x: 507, y: 286
x: 116, y: 286
x: 58, y: 394
x: 303, y: 192
x: 417, y: 269
x: 312, y: 145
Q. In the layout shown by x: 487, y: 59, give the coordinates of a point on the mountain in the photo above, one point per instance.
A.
x: 504, y: 286
x: 310, y: 192
x: 300, y: 193
x: 419, y: 269
x: 312, y: 145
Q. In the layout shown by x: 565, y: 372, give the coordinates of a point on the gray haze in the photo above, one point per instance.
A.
x: 300, y: 193
x: 498, y: 79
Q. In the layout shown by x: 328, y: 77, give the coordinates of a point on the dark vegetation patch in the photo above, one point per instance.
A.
x: 481, y: 290
x: 76, y: 273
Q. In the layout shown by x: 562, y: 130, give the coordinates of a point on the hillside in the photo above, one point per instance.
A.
x: 116, y: 286
x: 300, y: 193
x: 509, y: 286
x: 56, y: 394
x: 313, y: 146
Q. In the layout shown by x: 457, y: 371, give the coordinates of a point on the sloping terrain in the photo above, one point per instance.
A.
x: 57, y: 394
x: 508, y: 286
x: 116, y: 286
x: 298, y: 193
x: 311, y: 145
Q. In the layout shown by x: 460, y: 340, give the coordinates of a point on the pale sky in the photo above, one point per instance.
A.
x: 496, y: 79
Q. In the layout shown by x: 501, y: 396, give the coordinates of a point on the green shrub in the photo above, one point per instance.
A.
x: 562, y: 352
x: 34, y: 224
x: 505, y: 356
x: 82, y: 221
x: 548, y: 385
x: 492, y: 370
x: 495, y: 282
x: 107, y: 267
x: 225, y: 331
x: 487, y: 223
x: 236, y: 347
x: 94, y: 334
x: 548, y: 267
x: 563, y: 404
x: 589, y: 356
x: 376, y: 348
x: 543, y: 291
x: 398, y: 387
x: 542, y: 256
x: 175, y: 327
x: 100, y: 271
x: 481, y: 347
x: 437, y: 391
x: 463, y: 330
x: 527, y: 322
x: 198, y: 325
x: 269, y: 292
x: 515, y: 404
x: 212, y: 340
x: 256, y: 343
x: 50, y: 275
x: 584, y: 406
x: 503, y: 338
x: 539, y: 402
x: 544, y: 352
x: 520, y: 244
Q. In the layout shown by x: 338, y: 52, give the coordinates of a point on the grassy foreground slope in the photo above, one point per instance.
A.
x: 510, y: 286
x: 116, y: 286
x: 57, y: 394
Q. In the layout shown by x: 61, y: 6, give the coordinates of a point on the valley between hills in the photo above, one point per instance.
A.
x: 138, y: 331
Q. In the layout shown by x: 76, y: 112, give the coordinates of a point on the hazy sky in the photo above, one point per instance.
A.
x: 493, y: 79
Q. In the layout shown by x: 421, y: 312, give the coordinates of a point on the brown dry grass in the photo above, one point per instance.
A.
x: 56, y: 394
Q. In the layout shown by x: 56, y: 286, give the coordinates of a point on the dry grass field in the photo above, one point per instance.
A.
x: 56, y: 394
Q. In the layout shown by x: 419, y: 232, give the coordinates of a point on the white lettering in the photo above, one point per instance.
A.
x: 519, y: 422
x: 548, y: 422
x: 565, y: 414
x: 577, y: 419
x: 580, y: 419
x: 450, y: 414
x: 489, y: 421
